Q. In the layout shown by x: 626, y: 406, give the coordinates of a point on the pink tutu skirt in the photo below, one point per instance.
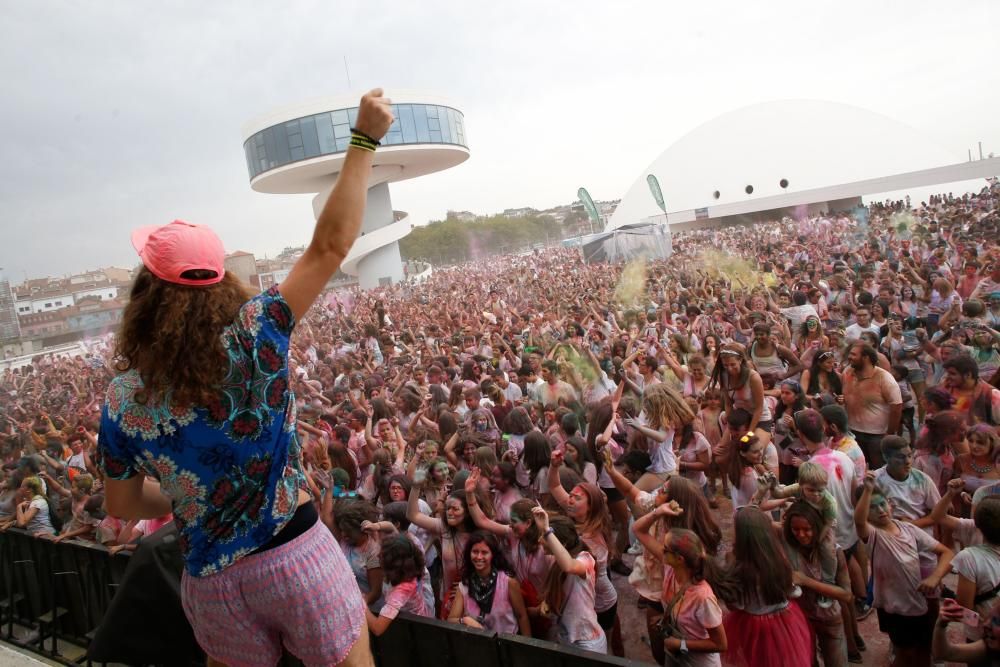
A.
x: 782, y: 638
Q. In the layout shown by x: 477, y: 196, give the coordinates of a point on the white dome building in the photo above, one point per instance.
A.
x: 775, y: 158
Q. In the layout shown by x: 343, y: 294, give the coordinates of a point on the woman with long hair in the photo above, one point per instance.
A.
x: 603, y: 447
x: 488, y: 595
x: 791, y: 399
x: 501, y: 405
x: 360, y: 548
x: 941, y: 440
x: 481, y: 422
x: 534, y: 462
x: 577, y: 456
x: 340, y: 457
x: 456, y: 399
x: 436, y: 483
x: 403, y: 564
x: 203, y: 410
x: 742, y: 388
x: 691, y: 629
x: 822, y: 377
x: 711, y: 346
x: 694, y: 455
x: 694, y: 378
x: 530, y: 561
x: 811, y: 336
x: 744, y: 468
x: 664, y: 410
x: 978, y: 467
x: 518, y: 424
x: 506, y: 492
x: 570, y: 587
x: 649, y: 576
x: 940, y: 298
x: 586, y: 506
x: 454, y: 530
x: 908, y: 305
x: 32, y: 510
x: 802, y: 527
x: 764, y: 625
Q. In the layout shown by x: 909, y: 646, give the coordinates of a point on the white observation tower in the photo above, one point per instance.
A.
x: 301, y: 149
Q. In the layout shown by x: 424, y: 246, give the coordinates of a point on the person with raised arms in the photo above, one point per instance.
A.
x: 201, y: 422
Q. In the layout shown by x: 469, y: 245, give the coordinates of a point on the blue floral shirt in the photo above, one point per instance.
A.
x: 231, y: 467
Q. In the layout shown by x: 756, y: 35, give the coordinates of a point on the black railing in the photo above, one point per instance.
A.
x: 54, y: 596
x: 413, y: 641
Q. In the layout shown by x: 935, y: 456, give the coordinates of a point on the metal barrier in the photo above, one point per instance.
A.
x: 55, y: 594
x: 60, y: 592
x: 414, y: 641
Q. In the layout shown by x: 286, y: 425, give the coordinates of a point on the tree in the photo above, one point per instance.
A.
x: 449, y: 240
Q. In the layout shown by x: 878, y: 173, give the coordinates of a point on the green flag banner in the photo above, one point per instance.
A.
x: 654, y: 187
x: 588, y: 204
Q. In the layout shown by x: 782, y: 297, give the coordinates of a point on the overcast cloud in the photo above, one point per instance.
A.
x: 119, y: 114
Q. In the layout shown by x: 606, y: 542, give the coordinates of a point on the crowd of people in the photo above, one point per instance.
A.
x: 490, y: 445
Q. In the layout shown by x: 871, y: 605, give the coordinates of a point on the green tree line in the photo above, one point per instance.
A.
x: 451, y: 240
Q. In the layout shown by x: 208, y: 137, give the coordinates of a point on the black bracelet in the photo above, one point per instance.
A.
x: 360, y: 142
x: 361, y: 134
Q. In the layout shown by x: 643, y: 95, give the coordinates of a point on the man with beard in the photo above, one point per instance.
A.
x: 873, y: 401
x: 976, y: 399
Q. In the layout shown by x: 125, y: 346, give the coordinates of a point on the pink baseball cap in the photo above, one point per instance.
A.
x: 170, y: 250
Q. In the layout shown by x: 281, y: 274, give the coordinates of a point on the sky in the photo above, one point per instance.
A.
x: 120, y: 114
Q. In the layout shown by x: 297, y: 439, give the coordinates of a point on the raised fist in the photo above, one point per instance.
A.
x: 956, y: 486
x: 374, y: 114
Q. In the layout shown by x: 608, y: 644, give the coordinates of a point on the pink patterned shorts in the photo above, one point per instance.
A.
x: 301, y: 594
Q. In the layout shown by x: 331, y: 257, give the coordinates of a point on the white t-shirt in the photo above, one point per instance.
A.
x: 840, y: 483
x: 743, y: 494
x: 966, y: 533
x: 896, y: 565
x: 912, y: 498
x: 854, y: 331
x: 40, y: 523
x: 512, y: 392
x: 690, y: 454
x: 799, y: 314
x: 981, y: 565
x: 662, y: 455
x: 577, y: 622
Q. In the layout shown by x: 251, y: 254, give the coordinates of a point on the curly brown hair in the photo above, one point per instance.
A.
x: 171, y: 334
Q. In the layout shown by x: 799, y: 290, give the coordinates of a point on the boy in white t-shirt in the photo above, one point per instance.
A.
x: 913, y: 493
x: 903, y: 585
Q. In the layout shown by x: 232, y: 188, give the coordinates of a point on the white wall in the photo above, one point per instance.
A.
x: 103, y: 293
x: 45, y: 304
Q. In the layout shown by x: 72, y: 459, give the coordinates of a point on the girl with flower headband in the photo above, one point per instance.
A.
x: 742, y: 388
